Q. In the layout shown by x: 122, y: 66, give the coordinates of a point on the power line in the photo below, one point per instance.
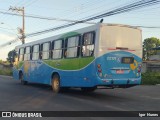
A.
x: 112, y: 12
x: 8, y: 9
x: 21, y: 30
x: 120, y: 10
x: 81, y: 7
x: 123, y: 9
x: 45, y: 18
x: 95, y: 8
x: 127, y: 8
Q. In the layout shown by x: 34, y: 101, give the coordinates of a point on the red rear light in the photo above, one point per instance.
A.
x: 139, y: 68
x: 100, y: 70
x: 99, y: 66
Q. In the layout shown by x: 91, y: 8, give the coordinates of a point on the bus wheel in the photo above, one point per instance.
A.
x: 56, y: 84
x: 88, y: 89
x: 22, y: 79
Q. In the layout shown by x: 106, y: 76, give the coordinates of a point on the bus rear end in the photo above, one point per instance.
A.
x: 119, y: 61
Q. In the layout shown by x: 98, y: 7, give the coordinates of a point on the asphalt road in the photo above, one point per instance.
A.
x: 36, y: 97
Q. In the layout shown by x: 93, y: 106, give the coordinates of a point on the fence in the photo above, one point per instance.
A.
x: 153, y: 66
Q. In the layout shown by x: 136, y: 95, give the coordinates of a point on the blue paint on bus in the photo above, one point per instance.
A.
x: 106, y: 70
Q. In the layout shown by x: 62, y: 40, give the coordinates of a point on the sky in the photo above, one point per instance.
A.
x: 73, y: 10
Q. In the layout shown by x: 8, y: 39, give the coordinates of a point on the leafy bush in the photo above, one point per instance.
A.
x: 6, y: 72
x: 151, y: 78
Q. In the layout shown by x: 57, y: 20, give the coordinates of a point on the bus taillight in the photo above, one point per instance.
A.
x: 99, y: 66
x: 139, y: 68
x: 99, y: 70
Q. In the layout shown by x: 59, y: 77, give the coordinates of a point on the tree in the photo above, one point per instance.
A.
x: 148, y: 44
x: 11, y: 55
x: 1, y: 61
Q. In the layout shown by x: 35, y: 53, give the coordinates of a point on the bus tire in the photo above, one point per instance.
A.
x: 88, y: 89
x: 56, y: 83
x: 21, y: 77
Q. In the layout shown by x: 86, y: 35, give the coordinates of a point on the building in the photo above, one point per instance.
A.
x: 154, y: 62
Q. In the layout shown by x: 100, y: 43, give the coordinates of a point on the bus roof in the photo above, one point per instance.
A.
x: 79, y: 31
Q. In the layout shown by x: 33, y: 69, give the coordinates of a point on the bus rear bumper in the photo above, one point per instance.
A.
x: 119, y: 83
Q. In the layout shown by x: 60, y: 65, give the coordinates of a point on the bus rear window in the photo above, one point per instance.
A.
x: 127, y: 60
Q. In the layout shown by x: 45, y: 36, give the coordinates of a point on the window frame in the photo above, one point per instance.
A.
x: 94, y: 39
x: 62, y: 48
x: 78, y: 47
x: 41, y: 50
x: 29, y: 53
x: 36, y: 52
x: 21, y: 54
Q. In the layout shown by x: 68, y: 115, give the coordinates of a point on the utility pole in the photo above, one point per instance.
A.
x: 21, y: 30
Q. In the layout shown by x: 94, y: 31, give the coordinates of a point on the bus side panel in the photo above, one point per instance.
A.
x: 39, y: 72
x: 36, y: 71
x: 15, y: 73
x: 79, y: 78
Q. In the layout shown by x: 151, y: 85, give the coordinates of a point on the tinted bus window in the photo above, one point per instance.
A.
x: 57, y: 49
x: 45, y: 50
x: 35, y: 54
x: 27, y: 53
x: 72, y: 47
x: 88, y: 44
x: 21, y: 54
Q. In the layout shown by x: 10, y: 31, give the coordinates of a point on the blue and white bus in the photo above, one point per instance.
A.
x: 101, y: 55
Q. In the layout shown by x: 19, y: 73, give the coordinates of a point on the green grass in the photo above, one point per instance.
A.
x: 6, y: 72
x: 151, y: 78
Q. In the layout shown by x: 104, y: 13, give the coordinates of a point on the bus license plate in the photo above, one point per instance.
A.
x: 119, y: 71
